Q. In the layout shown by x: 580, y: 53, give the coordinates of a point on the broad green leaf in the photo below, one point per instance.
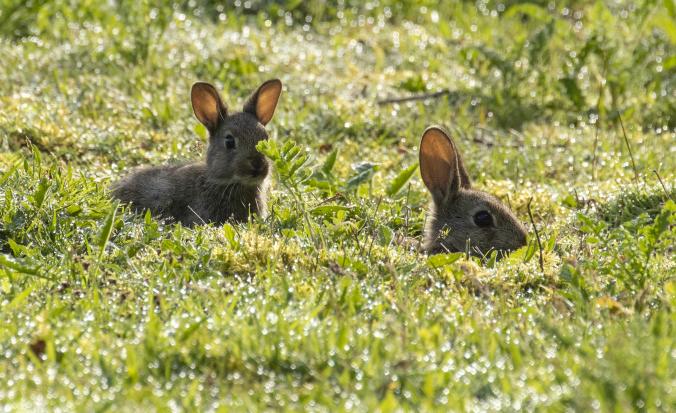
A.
x: 107, y: 229
x: 364, y: 172
x: 39, y: 195
x: 73, y: 210
x: 330, y: 161
x: 14, y: 264
x: 439, y: 260
x: 386, y: 234
x: 230, y: 235
x: 530, y: 251
x: 492, y: 259
x: 400, y: 180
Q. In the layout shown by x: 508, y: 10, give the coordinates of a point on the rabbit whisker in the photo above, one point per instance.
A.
x: 196, y: 214
x: 226, y: 189
x: 231, y: 192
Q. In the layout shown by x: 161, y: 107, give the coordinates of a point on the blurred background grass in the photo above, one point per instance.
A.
x: 101, y: 302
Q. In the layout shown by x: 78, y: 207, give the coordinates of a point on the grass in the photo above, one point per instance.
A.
x: 320, y: 306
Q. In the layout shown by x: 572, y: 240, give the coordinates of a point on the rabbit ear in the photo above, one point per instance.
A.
x: 440, y: 164
x: 262, y: 102
x: 207, y: 105
x: 465, y: 183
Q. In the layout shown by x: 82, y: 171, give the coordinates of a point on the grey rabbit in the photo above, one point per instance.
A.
x: 231, y: 184
x: 462, y: 219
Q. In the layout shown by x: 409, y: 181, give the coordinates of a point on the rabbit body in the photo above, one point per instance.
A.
x: 462, y: 218
x: 185, y: 193
x: 231, y: 184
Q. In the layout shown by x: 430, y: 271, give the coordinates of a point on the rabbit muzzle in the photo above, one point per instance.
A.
x: 252, y: 171
x: 258, y: 167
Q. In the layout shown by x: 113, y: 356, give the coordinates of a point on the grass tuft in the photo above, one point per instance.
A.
x: 327, y: 304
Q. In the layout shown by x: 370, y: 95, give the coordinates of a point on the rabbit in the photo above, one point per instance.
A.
x: 231, y: 184
x: 462, y: 219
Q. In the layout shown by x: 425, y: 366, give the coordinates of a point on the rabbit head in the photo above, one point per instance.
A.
x: 462, y: 219
x: 232, y: 157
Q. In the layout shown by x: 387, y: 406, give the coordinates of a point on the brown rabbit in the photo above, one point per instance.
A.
x: 462, y: 219
x: 231, y: 184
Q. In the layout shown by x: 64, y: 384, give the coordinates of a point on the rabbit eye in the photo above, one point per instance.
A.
x: 483, y: 219
x: 229, y: 141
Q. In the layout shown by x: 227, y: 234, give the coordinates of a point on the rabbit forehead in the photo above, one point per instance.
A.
x: 468, y: 202
x: 243, y: 126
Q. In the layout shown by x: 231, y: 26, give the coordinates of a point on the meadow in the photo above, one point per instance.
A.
x: 566, y: 107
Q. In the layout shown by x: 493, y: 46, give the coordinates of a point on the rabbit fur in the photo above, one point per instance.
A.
x: 231, y: 184
x: 462, y: 218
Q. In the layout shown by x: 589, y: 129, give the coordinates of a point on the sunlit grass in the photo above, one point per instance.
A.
x: 326, y: 304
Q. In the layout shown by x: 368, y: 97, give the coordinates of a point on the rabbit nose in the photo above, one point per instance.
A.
x: 523, y: 240
x: 258, y: 165
x: 523, y: 237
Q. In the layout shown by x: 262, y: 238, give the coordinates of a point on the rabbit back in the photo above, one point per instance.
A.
x: 148, y: 188
x: 185, y: 194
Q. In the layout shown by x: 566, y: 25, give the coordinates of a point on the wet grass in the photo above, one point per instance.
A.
x: 320, y: 306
